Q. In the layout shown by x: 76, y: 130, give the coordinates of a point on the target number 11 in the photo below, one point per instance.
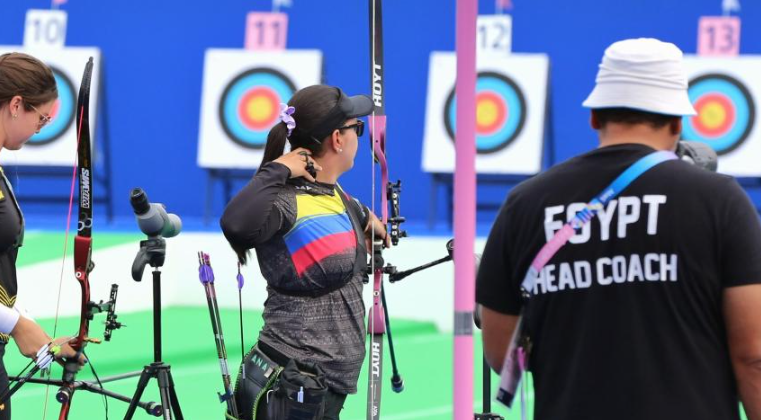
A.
x: 266, y: 31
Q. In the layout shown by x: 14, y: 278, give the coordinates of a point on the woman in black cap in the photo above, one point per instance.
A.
x: 309, y: 237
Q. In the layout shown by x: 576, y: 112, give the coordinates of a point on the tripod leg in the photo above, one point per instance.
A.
x: 142, y: 383
x: 487, y: 386
x: 166, y: 401
x: 173, y: 396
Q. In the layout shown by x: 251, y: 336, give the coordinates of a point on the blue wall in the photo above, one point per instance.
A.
x: 153, y: 56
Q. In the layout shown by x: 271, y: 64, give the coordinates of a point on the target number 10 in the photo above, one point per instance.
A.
x: 45, y: 28
x: 266, y: 31
x: 719, y: 35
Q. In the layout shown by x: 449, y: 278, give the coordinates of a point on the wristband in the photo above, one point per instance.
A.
x: 8, y: 319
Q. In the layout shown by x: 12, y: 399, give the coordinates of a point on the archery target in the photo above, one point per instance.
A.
x: 240, y: 103
x: 511, y: 99
x: 500, y: 112
x: 725, y: 92
x: 726, y: 112
x: 56, y: 143
x: 62, y: 113
x: 250, y: 105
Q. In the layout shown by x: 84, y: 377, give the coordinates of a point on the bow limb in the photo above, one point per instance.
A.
x: 377, y: 121
x: 82, y: 242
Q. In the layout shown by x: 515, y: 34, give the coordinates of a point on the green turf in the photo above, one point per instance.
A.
x: 424, y: 356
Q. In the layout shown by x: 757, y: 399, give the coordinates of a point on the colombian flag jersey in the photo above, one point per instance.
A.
x: 322, y: 230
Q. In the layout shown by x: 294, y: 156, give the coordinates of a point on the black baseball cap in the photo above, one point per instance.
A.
x: 347, y: 107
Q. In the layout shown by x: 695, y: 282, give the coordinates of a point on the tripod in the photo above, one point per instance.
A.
x: 486, y: 414
x: 153, y: 252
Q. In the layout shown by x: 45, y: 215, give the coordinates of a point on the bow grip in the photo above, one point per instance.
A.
x: 82, y: 254
x: 377, y: 125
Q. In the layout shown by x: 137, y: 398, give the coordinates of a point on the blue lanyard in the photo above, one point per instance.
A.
x: 562, y: 236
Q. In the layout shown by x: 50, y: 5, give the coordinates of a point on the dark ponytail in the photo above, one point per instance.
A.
x: 275, y: 143
x: 312, y: 104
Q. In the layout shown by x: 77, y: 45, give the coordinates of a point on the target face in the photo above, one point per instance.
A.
x: 500, y: 112
x: 726, y: 112
x: 62, y: 113
x: 250, y: 105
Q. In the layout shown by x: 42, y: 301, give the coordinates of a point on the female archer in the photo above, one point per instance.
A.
x: 27, y: 94
x: 310, y: 237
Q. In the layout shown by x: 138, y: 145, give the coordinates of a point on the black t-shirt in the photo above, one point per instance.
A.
x: 11, y: 234
x: 626, y: 319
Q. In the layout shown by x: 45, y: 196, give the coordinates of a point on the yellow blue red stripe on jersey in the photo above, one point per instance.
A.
x: 322, y: 229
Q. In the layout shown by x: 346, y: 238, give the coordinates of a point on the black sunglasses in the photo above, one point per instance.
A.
x: 359, y: 127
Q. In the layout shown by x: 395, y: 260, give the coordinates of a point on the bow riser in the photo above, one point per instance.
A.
x: 376, y: 322
x: 82, y: 263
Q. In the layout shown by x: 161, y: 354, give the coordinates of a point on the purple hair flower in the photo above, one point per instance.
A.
x: 286, y: 117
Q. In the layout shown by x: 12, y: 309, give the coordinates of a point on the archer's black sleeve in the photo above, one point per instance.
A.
x: 740, y: 239
x: 251, y: 217
x: 495, y: 287
x: 361, y: 211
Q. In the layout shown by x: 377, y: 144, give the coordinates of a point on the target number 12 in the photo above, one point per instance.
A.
x: 719, y: 35
x: 45, y: 28
x: 494, y: 34
x: 266, y: 31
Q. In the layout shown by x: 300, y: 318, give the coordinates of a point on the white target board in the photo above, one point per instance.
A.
x: 511, y: 102
x: 56, y: 143
x: 726, y: 92
x: 240, y: 103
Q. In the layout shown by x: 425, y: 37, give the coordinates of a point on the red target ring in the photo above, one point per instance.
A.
x: 491, y: 112
x: 716, y: 115
x: 54, y: 110
x: 258, y: 108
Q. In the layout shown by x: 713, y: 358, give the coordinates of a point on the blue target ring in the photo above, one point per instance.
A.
x: 726, y: 112
x: 501, y: 112
x: 250, y: 105
x: 64, y: 114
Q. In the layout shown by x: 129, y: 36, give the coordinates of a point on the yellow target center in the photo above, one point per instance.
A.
x: 713, y: 115
x: 486, y: 113
x: 259, y: 108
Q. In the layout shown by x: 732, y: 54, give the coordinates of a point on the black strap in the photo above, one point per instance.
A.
x: 360, y: 264
x: 20, y: 238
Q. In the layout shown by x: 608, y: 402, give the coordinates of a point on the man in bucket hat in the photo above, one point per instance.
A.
x: 648, y: 305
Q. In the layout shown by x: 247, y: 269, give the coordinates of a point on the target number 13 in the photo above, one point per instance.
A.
x: 45, y: 28
x: 719, y: 35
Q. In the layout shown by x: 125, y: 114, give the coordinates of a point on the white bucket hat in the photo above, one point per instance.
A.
x: 643, y: 74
